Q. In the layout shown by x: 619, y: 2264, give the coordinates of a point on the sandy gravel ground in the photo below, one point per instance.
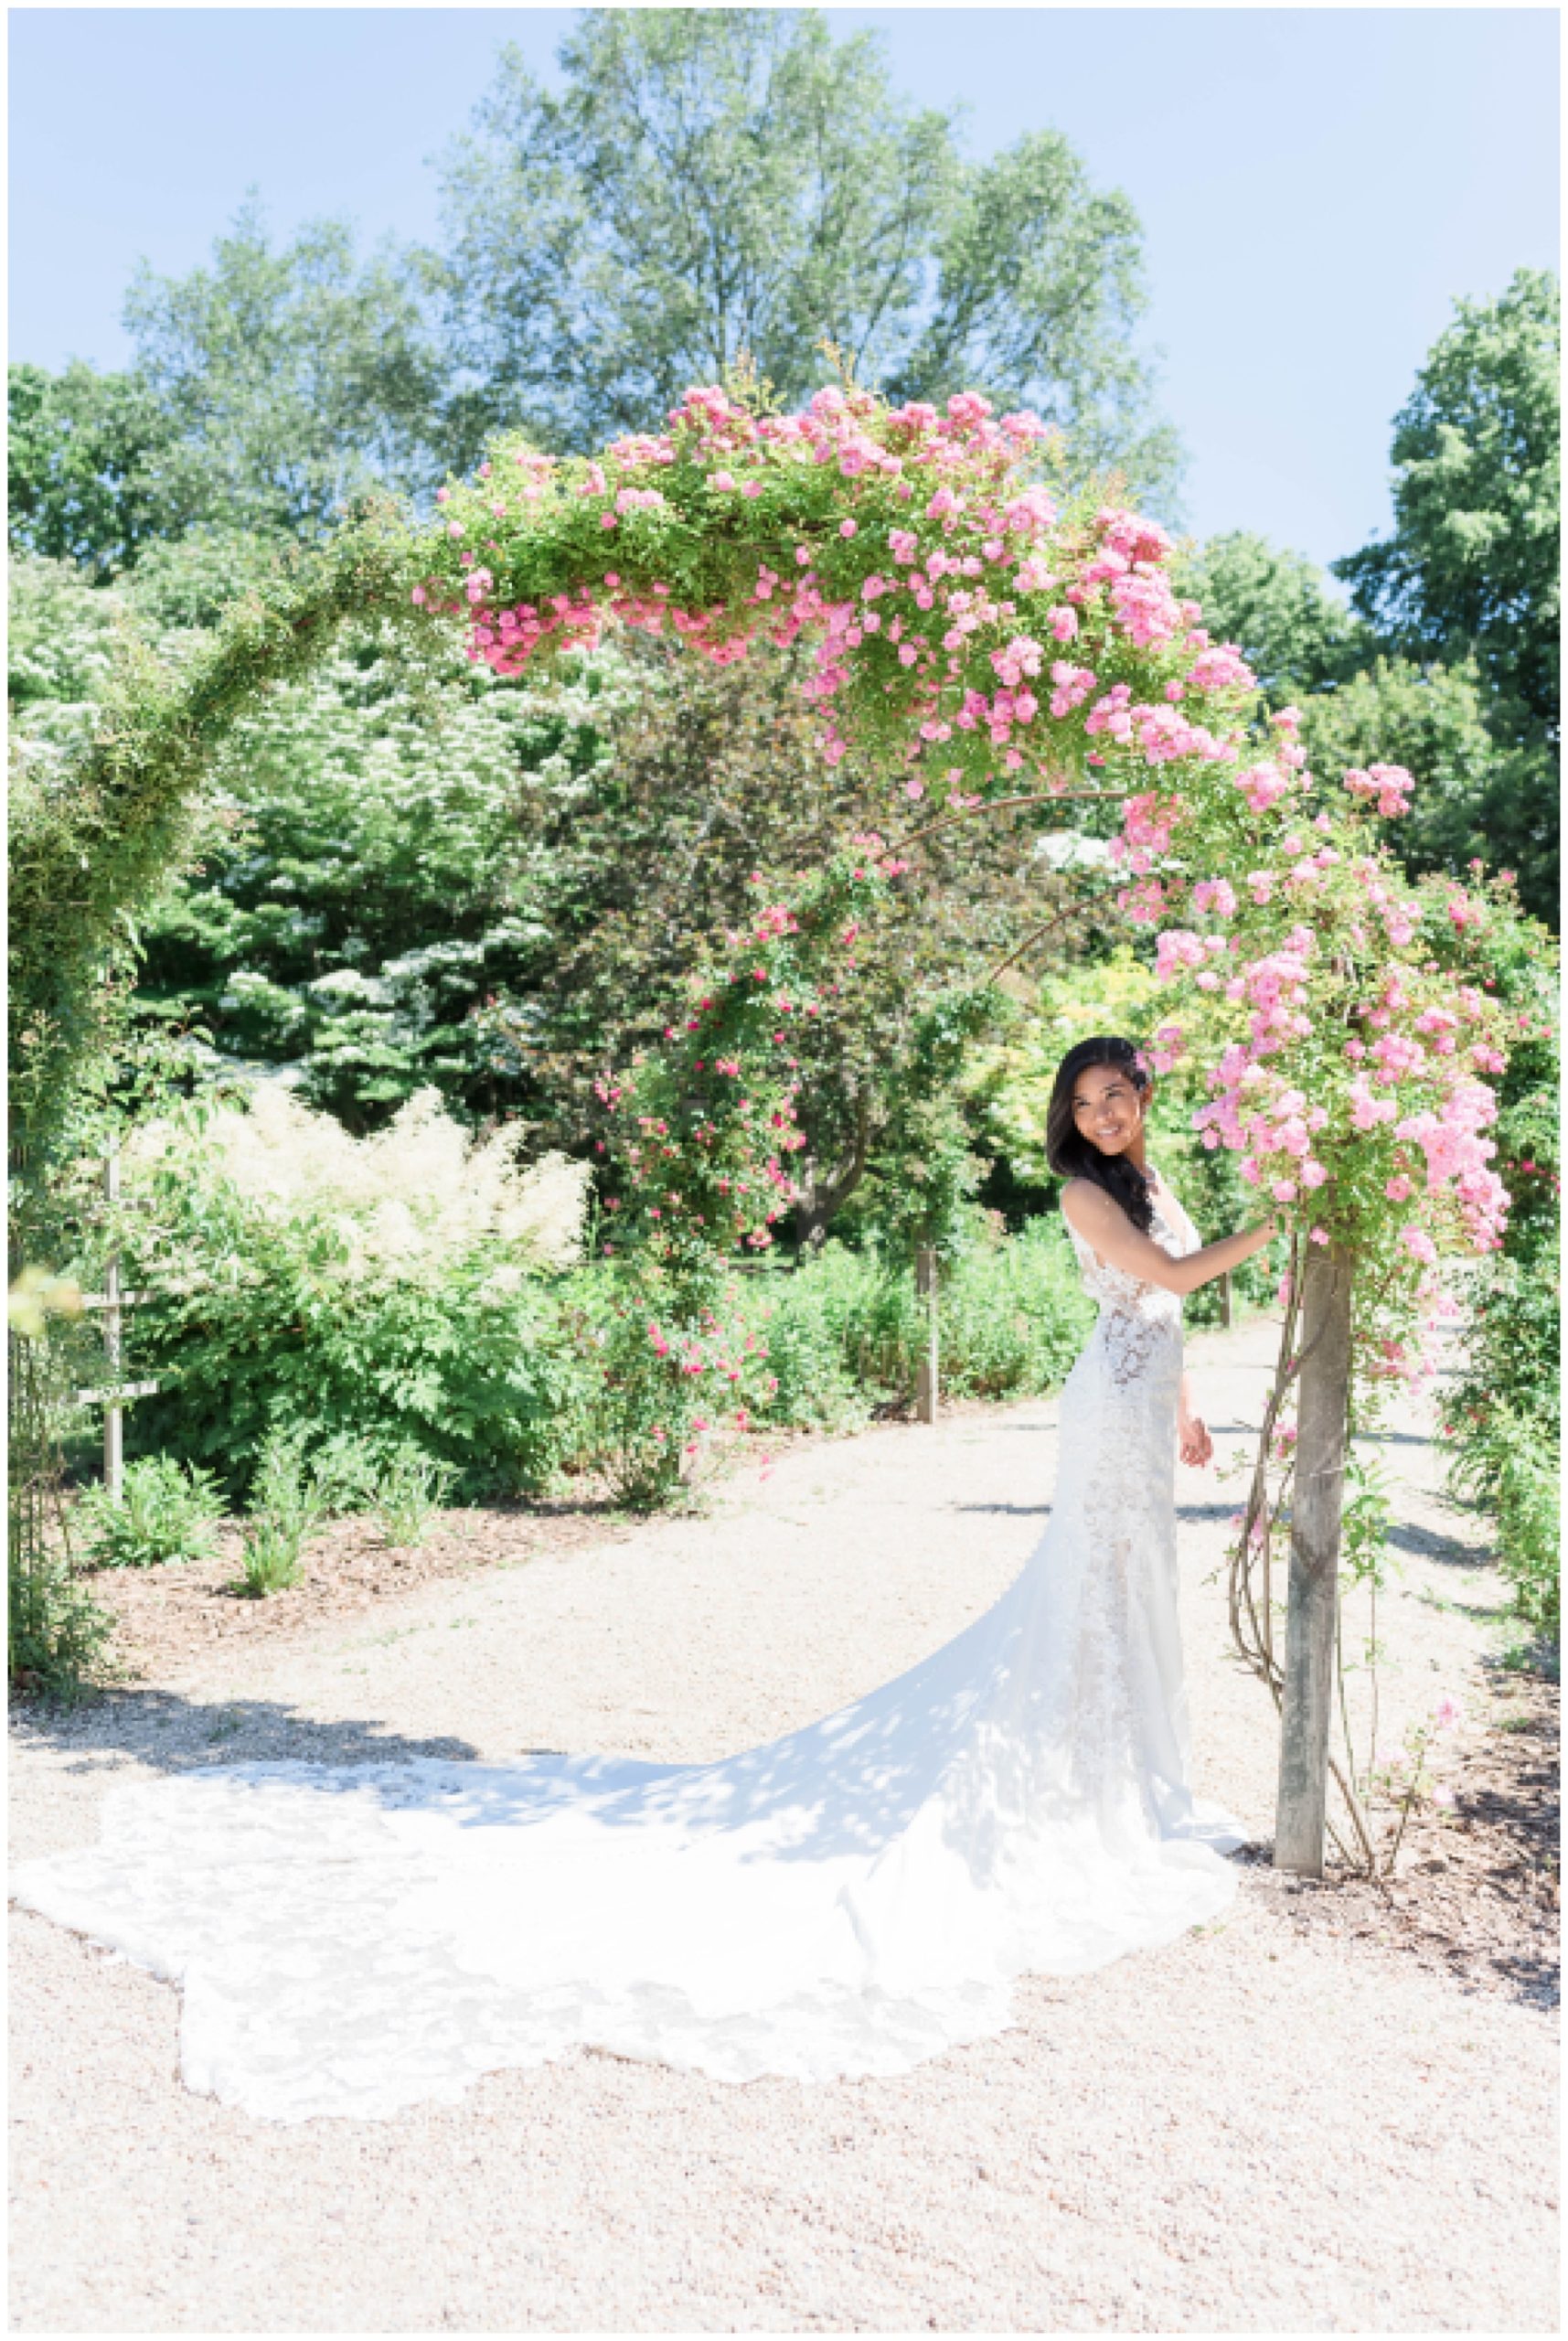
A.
x: 1287, y: 2122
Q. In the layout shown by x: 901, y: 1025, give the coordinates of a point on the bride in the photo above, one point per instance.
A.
x: 849, y: 1900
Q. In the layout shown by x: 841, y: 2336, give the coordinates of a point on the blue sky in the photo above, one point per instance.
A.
x: 1317, y: 186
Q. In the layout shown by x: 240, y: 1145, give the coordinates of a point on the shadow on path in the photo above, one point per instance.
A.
x: 171, y: 1733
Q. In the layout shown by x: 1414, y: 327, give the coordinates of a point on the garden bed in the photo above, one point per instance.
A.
x: 1475, y: 1894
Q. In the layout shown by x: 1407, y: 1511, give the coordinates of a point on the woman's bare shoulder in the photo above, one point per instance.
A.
x: 1089, y: 1202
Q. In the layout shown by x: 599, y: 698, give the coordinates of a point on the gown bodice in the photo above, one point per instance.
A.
x: 1116, y: 1290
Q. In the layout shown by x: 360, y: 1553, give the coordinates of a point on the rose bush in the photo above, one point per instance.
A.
x: 985, y: 639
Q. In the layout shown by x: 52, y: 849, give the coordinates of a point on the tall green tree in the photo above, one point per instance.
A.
x: 96, y: 467
x: 709, y: 183
x: 1448, y: 659
x: 1476, y: 799
x: 1280, y: 609
x: 1471, y: 568
x: 297, y: 375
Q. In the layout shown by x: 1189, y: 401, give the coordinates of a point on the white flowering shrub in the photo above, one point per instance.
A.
x: 395, y: 1290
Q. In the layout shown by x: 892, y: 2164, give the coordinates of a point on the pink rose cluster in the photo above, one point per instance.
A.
x: 909, y: 542
x: 1386, y: 786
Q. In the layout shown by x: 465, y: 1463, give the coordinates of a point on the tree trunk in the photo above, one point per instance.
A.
x: 1315, y: 1510
x: 926, y: 1388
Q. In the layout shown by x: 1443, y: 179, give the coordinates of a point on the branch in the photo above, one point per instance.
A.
x: 1036, y: 936
x: 1001, y: 804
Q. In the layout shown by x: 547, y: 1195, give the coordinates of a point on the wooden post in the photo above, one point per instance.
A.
x: 925, y: 1402
x: 1226, y: 1300
x: 1315, y: 1509
x: 113, y: 1348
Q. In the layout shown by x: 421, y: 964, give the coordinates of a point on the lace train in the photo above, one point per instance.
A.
x: 849, y: 1900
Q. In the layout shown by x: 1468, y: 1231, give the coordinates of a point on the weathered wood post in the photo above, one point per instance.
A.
x: 113, y: 1347
x: 116, y: 1393
x: 1315, y: 1516
x: 927, y: 1379
x: 1225, y: 1302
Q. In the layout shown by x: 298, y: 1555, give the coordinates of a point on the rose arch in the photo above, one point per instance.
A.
x: 988, y: 642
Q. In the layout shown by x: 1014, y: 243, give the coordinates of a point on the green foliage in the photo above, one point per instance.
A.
x: 1471, y: 570
x: 284, y: 1323
x: 270, y: 1556
x: 408, y: 1492
x: 57, y: 1635
x: 805, y: 1325
x: 1512, y: 1464
x: 1473, y: 798
x: 61, y: 642
x: 847, y: 1329
x: 296, y: 378
x: 94, y: 842
x: 1448, y: 663
x: 95, y: 471
x: 926, y: 1170
x: 1469, y: 577
x: 644, y: 1352
x: 167, y: 1515
x: 1503, y: 1413
x: 709, y: 186
x: 285, y: 1491
x: 293, y: 1494
x: 1278, y: 607
x: 1038, y: 289
x: 386, y: 882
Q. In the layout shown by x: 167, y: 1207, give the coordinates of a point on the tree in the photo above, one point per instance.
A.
x: 1471, y: 570
x: 1474, y: 798
x: 711, y: 784
x: 1482, y: 790
x: 95, y: 468
x: 1037, y: 292
x: 1294, y: 631
x: 296, y: 378
x: 719, y: 182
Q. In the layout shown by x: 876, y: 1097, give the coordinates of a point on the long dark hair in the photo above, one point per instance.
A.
x: 1072, y: 1155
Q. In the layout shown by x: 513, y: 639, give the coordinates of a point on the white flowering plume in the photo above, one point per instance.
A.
x: 417, y: 1191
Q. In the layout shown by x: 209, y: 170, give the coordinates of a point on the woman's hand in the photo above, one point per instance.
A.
x: 1193, y: 1443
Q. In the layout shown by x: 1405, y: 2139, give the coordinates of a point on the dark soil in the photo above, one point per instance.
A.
x: 169, y: 1616
x: 1476, y: 1890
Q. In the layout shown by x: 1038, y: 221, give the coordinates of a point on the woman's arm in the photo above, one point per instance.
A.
x: 1106, y: 1229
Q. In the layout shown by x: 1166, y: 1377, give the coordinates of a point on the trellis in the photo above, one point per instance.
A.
x: 705, y: 532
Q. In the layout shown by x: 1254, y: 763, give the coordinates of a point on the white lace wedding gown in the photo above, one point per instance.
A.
x: 849, y: 1900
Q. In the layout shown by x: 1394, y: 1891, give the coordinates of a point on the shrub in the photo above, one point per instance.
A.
x: 58, y: 1634
x: 1014, y: 1315
x: 381, y: 1293
x: 659, y: 1389
x: 849, y: 1329
x: 167, y: 1515
x: 1503, y: 1418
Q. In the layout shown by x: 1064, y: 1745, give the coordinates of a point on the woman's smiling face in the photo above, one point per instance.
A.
x: 1106, y: 1108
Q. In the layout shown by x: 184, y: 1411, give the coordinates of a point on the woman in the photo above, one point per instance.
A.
x: 849, y: 1900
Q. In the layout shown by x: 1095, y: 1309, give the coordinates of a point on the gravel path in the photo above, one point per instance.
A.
x: 1282, y: 2123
